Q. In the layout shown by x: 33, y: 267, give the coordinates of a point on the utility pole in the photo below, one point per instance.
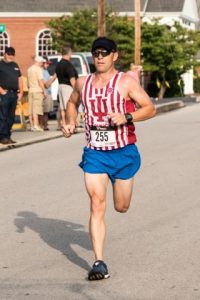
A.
x: 101, y: 18
x: 137, y: 54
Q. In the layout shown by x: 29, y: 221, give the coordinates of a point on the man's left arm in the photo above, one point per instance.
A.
x: 146, y: 109
x: 20, y: 85
x: 129, y: 88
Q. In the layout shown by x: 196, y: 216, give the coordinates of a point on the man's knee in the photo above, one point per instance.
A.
x: 121, y: 208
x: 97, y: 205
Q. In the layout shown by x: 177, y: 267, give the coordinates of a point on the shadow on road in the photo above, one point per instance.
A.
x: 58, y: 234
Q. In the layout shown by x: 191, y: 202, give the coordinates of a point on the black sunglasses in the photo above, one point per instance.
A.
x: 103, y: 53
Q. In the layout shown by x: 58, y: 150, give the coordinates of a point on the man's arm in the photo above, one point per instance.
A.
x: 20, y: 84
x: 73, y: 81
x: 72, y: 108
x: 49, y: 82
x: 130, y: 88
x: 146, y: 109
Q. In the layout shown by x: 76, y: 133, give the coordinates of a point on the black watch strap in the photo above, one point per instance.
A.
x: 129, y: 117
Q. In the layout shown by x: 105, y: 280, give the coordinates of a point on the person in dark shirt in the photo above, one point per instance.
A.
x: 67, y: 75
x: 11, y: 91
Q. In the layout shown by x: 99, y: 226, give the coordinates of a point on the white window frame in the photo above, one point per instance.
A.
x: 4, y: 42
x: 42, y: 41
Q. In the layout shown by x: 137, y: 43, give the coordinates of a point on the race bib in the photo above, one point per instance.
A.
x: 102, y: 138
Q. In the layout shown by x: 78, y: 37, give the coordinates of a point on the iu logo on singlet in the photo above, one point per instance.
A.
x: 102, y: 109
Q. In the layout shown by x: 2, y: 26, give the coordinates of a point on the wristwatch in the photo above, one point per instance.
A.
x: 129, y: 117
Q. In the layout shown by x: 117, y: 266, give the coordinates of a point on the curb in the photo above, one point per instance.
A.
x: 34, y: 141
x: 165, y: 107
x: 28, y: 142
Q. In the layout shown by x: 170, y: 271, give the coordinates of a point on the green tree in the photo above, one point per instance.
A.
x: 168, y: 50
x: 80, y: 29
x: 77, y: 30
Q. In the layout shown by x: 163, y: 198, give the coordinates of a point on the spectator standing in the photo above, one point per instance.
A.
x: 67, y: 75
x: 48, y: 102
x: 36, y: 93
x: 11, y: 91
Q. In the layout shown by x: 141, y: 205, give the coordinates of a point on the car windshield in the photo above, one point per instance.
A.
x: 77, y: 64
x: 91, y: 63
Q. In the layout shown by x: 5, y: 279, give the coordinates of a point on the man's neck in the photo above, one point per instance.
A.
x: 66, y: 57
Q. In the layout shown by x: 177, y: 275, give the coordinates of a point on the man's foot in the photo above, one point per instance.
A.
x: 99, y: 271
x: 37, y: 128
x: 5, y: 141
x: 12, y: 142
x: 46, y: 129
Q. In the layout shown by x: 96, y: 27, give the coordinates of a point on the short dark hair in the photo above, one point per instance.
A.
x: 10, y: 51
x: 66, y: 50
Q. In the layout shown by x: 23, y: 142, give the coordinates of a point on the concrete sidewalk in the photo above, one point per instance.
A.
x: 26, y: 137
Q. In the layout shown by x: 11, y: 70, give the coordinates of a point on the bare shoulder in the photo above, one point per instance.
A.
x: 80, y: 83
x: 127, y: 84
x: 127, y: 79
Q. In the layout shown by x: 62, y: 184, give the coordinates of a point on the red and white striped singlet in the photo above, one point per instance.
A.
x: 101, y: 134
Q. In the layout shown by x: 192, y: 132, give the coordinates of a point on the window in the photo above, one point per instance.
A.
x: 4, y: 42
x: 44, y: 43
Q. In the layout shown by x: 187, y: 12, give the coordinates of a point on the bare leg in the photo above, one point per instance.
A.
x: 45, y: 120
x: 31, y: 121
x: 35, y: 120
x: 58, y: 117
x: 122, y: 192
x: 96, y: 185
x: 63, y: 117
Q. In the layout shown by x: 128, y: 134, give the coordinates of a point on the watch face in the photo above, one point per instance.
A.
x: 129, y: 117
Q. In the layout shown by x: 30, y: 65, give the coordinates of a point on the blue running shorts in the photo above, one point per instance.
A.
x: 122, y: 163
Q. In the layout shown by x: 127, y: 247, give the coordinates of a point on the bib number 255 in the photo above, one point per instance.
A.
x: 102, y: 138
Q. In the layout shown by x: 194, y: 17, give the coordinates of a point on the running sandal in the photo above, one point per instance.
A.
x: 99, y: 271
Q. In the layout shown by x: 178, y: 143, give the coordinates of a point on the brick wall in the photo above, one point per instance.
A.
x: 22, y: 33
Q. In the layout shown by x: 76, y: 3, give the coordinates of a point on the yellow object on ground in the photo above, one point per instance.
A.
x: 20, y: 115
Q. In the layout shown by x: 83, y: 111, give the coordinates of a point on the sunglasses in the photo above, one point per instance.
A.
x: 103, y: 53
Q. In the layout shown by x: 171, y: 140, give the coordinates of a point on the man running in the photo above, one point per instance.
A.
x: 109, y: 101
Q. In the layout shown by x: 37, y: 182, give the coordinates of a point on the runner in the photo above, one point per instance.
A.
x: 109, y: 100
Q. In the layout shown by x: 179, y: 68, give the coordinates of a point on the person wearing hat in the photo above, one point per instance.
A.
x: 109, y: 99
x: 36, y: 93
x: 11, y: 91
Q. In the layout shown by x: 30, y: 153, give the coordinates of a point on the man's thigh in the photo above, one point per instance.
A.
x: 96, y: 185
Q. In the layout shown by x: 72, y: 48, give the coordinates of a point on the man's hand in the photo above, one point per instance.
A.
x: 117, y: 118
x: 68, y: 130
x: 3, y: 92
x: 19, y: 96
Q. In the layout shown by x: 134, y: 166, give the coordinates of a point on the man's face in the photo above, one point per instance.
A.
x: 45, y: 65
x: 104, y: 59
x: 9, y: 57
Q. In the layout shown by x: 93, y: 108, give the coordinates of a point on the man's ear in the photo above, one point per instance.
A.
x: 115, y: 57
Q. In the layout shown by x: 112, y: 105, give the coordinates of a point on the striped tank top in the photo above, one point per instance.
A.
x: 101, y: 133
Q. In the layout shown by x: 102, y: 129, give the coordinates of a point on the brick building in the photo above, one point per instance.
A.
x: 26, y: 20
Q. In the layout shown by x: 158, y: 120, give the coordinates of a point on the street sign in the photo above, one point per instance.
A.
x: 2, y: 28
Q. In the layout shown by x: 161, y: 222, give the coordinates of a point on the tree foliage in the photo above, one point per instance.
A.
x: 168, y: 50
x: 80, y: 30
x: 165, y: 49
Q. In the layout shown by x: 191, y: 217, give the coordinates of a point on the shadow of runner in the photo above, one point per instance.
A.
x: 58, y: 234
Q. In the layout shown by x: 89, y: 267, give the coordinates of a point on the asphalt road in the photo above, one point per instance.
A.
x: 152, y: 252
